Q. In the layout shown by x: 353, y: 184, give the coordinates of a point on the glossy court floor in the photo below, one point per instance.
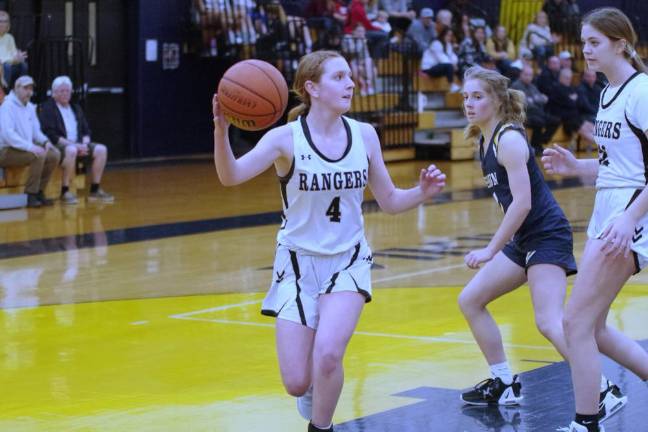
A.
x: 144, y: 315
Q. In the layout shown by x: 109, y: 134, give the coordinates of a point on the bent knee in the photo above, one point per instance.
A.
x: 548, y: 326
x: 296, y: 386
x: 468, y: 303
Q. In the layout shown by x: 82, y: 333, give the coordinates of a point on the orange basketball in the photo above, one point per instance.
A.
x: 253, y: 94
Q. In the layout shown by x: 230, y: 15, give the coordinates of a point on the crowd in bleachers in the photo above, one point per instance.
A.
x: 43, y: 137
x: 447, y: 37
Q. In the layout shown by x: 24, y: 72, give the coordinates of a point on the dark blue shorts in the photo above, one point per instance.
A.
x: 552, y: 250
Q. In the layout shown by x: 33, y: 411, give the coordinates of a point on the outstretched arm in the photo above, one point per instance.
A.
x: 270, y: 149
x: 513, y: 155
x: 558, y: 160
x: 390, y: 198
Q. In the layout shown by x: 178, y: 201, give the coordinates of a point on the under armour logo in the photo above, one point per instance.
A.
x: 368, y: 258
x: 304, y: 157
x: 637, y: 235
x: 280, y: 276
x: 603, y: 156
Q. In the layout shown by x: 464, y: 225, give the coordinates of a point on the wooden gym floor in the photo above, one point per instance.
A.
x: 143, y: 315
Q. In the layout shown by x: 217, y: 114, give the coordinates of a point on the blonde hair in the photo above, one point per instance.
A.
x: 310, y: 69
x: 615, y: 25
x: 511, y: 102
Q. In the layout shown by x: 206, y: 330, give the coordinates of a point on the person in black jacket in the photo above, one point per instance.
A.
x: 66, y: 127
x: 564, y: 102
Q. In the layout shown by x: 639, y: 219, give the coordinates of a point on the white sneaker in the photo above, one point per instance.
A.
x: 611, y: 401
x: 455, y: 88
x: 305, y: 404
x: 575, y: 427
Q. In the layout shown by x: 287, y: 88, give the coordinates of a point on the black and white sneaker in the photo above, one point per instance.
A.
x: 493, y: 391
x: 611, y: 401
x: 575, y: 427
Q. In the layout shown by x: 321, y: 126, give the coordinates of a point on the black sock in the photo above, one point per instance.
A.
x: 64, y: 189
x: 94, y: 187
x: 588, y: 420
x: 313, y: 428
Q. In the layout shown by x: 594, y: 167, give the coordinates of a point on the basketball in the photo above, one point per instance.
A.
x: 253, y: 95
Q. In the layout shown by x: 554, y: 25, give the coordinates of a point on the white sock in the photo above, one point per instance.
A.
x: 604, y: 383
x: 502, y: 371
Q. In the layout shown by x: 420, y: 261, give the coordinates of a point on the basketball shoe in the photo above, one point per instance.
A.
x: 493, y: 391
x: 611, y: 400
x: 305, y: 404
x: 575, y: 427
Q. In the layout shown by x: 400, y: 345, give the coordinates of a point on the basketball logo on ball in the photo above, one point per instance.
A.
x: 253, y: 95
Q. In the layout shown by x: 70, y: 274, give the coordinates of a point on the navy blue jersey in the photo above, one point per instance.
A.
x: 546, y: 218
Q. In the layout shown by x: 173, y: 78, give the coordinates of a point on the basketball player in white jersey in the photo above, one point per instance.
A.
x: 321, y: 274
x: 617, y: 245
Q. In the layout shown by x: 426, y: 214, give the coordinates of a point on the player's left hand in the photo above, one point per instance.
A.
x: 475, y: 258
x: 432, y: 180
x: 618, y: 235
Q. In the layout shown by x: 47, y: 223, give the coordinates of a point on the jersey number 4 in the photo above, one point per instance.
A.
x: 333, y: 211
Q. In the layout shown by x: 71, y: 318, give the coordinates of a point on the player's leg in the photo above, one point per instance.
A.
x: 498, y: 277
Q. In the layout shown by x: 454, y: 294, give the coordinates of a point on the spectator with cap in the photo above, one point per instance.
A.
x: 566, y: 62
x: 66, y: 126
x: 22, y: 142
x: 422, y: 30
x: 13, y: 60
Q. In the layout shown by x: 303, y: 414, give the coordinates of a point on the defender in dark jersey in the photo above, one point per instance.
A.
x: 532, y: 244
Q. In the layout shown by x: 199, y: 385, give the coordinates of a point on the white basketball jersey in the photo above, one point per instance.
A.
x: 621, y: 121
x: 322, y: 198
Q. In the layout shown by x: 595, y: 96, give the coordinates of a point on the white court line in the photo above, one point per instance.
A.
x: 214, y: 309
x: 429, y: 339
x: 420, y: 272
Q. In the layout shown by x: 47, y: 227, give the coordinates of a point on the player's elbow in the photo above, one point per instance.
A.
x: 226, y: 180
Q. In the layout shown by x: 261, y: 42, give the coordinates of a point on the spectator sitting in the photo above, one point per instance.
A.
x: 590, y: 93
x: 362, y: 67
x: 565, y: 104
x: 548, y: 78
x: 382, y: 22
x: 538, y: 38
x: 542, y: 124
x: 501, y: 49
x: 440, y: 59
x: 525, y: 58
x: 319, y: 14
x: 13, y: 60
x: 23, y: 143
x: 472, y: 51
x: 443, y: 19
x: 565, y: 59
x: 377, y: 39
x: 400, y: 15
x: 422, y: 31
x: 66, y: 126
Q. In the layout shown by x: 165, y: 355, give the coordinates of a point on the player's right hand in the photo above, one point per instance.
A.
x: 219, y: 118
x: 557, y: 160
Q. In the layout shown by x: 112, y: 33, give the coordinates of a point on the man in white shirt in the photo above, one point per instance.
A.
x: 23, y: 143
x: 65, y: 125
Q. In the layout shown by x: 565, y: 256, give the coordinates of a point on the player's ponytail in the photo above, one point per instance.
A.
x: 615, y: 25
x: 511, y: 103
x: 309, y: 69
